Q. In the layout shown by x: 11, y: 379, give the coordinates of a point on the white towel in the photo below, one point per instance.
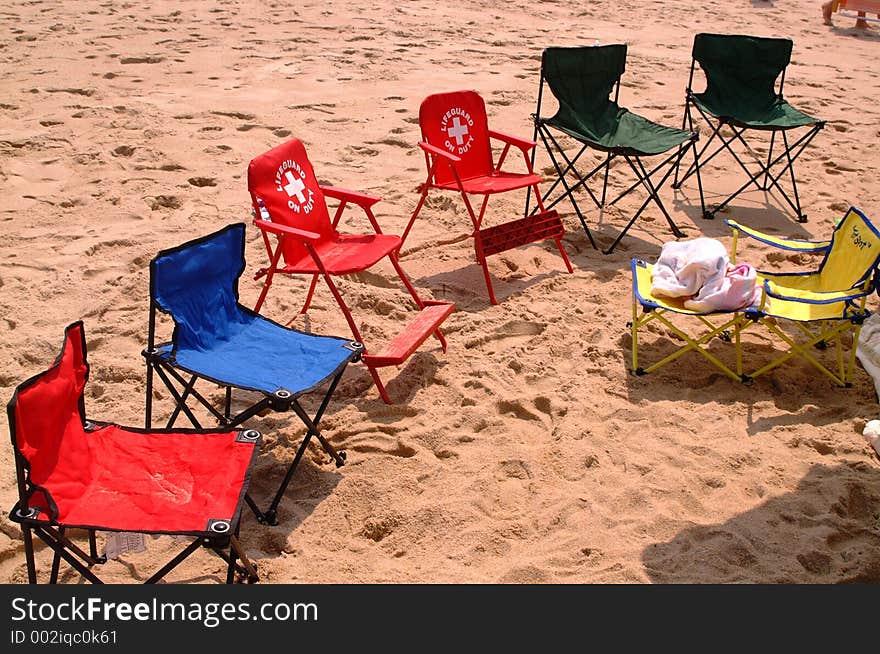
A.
x: 700, y: 271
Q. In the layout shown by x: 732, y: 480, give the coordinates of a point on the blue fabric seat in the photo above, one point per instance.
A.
x: 217, y: 339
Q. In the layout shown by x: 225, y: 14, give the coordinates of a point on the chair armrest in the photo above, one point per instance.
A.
x: 523, y: 144
x: 360, y: 199
x: 782, y: 292
x: 430, y: 149
x: 791, y: 244
x: 277, y: 228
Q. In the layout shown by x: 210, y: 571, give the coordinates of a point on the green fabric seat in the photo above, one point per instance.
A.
x: 779, y: 116
x: 741, y: 73
x: 582, y: 79
x: 741, y: 95
x: 586, y: 83
x: 624, y: 132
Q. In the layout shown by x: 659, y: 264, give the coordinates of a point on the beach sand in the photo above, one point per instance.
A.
x: 528, y: 453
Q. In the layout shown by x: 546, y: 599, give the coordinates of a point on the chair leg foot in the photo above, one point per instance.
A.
x: 244, y: 576
x: 708, y: 215
x: 269, y: 517
x: 639, y: 372
x: 802, y: 218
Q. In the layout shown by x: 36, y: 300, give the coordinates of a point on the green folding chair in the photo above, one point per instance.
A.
x: 582, y: 80
x: 741, y: 97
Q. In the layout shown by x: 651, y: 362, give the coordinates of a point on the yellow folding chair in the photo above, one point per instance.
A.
x: 672, y: 313
x: 820, y: 306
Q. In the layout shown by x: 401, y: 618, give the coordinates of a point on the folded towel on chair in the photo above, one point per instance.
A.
x: 700, y: 271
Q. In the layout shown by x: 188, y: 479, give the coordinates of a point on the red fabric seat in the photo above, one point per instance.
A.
x: 121, y: 479
x: 78, y: 473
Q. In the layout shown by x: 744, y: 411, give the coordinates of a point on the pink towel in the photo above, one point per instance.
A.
x: 736, y: 289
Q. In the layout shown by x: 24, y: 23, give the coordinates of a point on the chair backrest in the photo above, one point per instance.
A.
x: 197, y: 284
x: 582, y: 80
x: 741, y: 71
x: 47, y: 416
x: 456, y: 122
x: 284, y: 180
x: 853, y: 255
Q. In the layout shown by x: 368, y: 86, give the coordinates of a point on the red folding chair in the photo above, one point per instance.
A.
x: 289, y: 203
x: 78, y: 474
x: 458, y: 155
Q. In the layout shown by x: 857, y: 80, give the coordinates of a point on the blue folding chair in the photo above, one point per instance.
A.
x: 216, y: 339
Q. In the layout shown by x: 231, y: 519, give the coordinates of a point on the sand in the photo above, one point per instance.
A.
x: 528, y: 453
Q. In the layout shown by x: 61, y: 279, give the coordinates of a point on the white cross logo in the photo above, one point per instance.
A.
x: 457, y: 131
x: 294, y: 186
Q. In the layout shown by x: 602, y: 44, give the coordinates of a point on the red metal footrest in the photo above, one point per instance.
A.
x: 530, y: 229
x: 414, y: 334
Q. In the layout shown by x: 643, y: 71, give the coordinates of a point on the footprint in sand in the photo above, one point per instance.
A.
x: 815, y: 562
x: 234, y: 114
x: 323, y: 107
x: 142, y: 60
x: 513, y: 469
x: 399, y: 143
x: 526, y: 575
x: 364, y: 150
x: 85, y: 92
x: 376, y: 528
x: 373, y: 442
x: 512, y: 333
x: 202, y: 181
x: 164, y: 202
x: 517, y: 409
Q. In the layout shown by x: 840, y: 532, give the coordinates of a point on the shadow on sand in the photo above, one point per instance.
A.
x: 827, y: 530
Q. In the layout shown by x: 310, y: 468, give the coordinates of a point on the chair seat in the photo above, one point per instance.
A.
x: 642, y: 277
x: 804, y: 311
x: 496, y: 183
x: 121, y: 479
x: 620, y: 131
x: 343, y: 254
x: 260, y: 355
x: 779, y: 115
